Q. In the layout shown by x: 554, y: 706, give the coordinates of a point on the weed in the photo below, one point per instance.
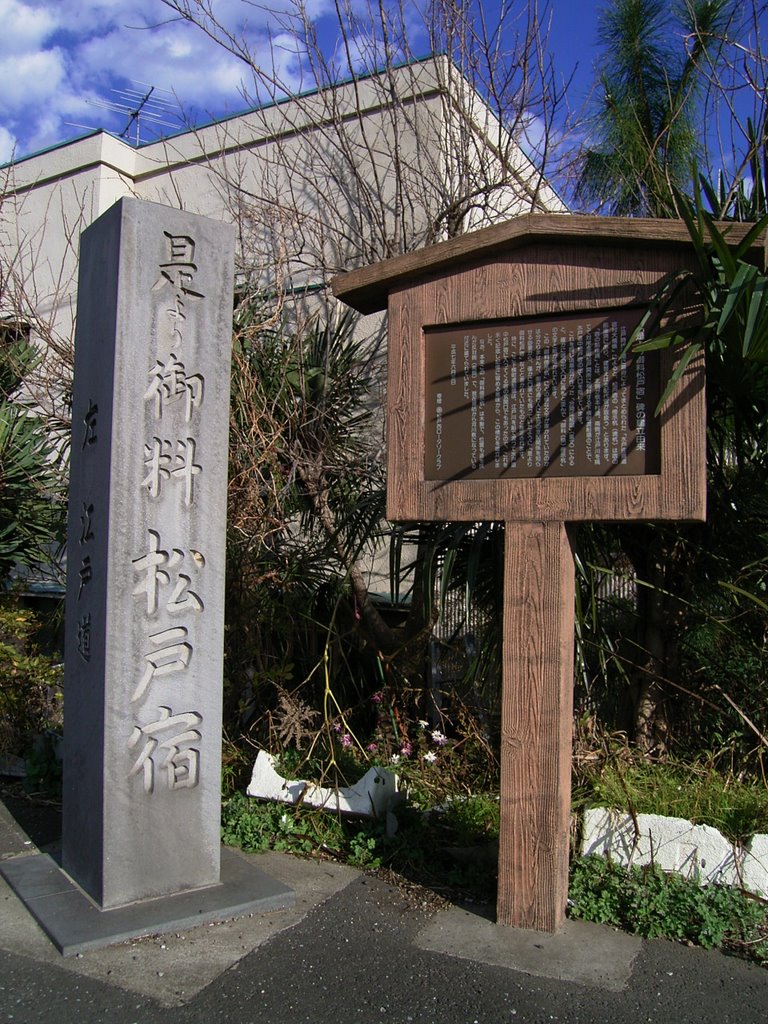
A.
x: 236, y: 767
x: 697, y: 792
x: 473, y: 818
x: 652, y: 904
x: 256, y: 826
x: 366, y: 849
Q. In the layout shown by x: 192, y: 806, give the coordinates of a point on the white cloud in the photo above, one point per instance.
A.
x: 49, y: 129
x: 29, y: 79
x: 174, y: 56
x: 7, y: 145
x: 25, y: 27
x: 179, y: 49
x: 58, y: 58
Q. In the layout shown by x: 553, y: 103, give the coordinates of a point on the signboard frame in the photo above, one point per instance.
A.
x: 677, y: 491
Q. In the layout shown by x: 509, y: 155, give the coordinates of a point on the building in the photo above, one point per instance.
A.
x: 319, y: 183
x: 316, y: 184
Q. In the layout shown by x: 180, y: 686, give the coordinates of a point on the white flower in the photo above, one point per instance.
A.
x: 395, y: 759
x: 430, y: 756
x: 439, y: 738
x: 423, y: 723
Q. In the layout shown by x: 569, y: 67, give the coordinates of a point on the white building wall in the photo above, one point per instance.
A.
x: 48, y: 199
x: 278, y: 172
x: 306, y: 209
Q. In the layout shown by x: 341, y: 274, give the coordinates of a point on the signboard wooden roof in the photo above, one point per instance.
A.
x: 367, y: 289
x: 510, y: 395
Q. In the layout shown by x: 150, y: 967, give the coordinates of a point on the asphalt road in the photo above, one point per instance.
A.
x: 355, y: 958
x: 354, y: 949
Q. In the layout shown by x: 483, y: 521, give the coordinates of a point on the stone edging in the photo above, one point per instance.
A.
x: 675, y: 844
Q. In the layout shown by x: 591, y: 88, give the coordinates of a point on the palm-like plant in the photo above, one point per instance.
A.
x: 701, y: 589
x: 661, y: 62
x: 306, y: 506
x: 731, y: 329
x: 31, y: 506
x: 306, y: 470
x: 644, y: 135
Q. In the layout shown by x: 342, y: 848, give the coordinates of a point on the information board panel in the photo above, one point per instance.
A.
x: 555, y: 396
x: 510, y: 398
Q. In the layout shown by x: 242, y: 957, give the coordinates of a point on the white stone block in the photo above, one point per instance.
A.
x: 673, y: 844
x: 754, y: 871
x: 370, y: 797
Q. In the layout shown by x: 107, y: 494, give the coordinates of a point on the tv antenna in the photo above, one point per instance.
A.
x: 144, y: 108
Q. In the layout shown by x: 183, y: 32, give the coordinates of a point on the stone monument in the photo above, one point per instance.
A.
x: 146, y: 553
x: 146, y: 563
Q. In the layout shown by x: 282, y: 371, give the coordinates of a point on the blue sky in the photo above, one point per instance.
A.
x: 60, y: 60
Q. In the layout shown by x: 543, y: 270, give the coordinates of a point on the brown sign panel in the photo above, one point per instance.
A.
x: 553, y: 396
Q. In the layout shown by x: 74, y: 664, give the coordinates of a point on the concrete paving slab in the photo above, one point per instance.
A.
x: 76, y: 925
x: 589, y: 954
x: 172, y: 969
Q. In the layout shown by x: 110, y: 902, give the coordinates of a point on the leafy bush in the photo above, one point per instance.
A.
x: 30, y: 683
x: 652, y: 904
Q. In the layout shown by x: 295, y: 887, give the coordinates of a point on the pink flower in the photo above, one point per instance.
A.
x: 406, y: 749
x: 346, y: 740
x: 372, y: 748
x: 376, y: 698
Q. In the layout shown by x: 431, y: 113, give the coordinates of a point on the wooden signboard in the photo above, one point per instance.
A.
x: 511, y: 397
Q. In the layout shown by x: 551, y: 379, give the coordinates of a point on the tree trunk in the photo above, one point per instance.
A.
x: 650, y: 721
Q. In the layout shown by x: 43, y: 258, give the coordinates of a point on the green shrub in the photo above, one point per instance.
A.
x: 30, y: 683
x: 652, y: 904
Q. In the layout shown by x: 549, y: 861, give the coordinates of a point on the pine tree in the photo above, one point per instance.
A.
x: 645, y: 132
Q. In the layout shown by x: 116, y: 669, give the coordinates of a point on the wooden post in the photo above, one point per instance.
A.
x: 536, y: 726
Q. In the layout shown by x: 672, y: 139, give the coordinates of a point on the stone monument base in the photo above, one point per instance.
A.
x: 74, y: 923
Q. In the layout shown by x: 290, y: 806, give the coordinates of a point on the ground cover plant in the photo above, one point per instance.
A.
x: 652, y: 904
